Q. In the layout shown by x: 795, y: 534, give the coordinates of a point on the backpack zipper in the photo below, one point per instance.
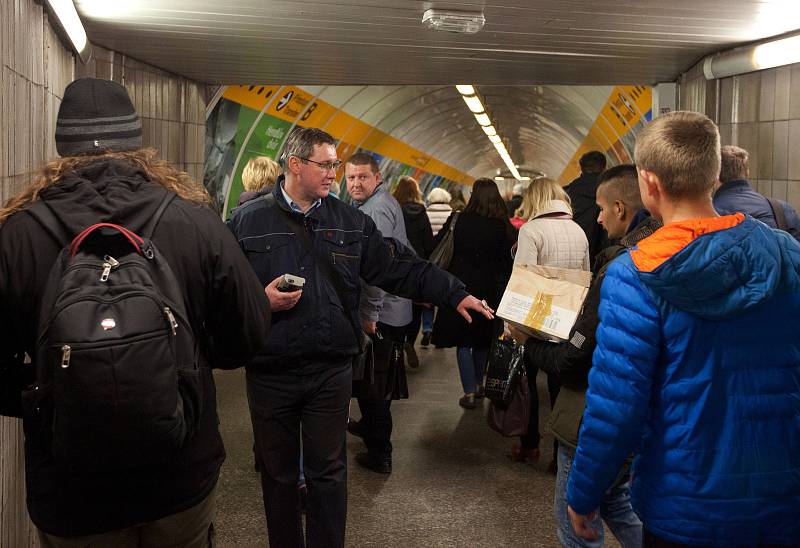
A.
x: 66, y: 352
x: 171, y: 319
x: 109, y: 264
x: 72, y: 301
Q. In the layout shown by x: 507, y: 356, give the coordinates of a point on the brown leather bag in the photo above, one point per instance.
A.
x: 512, y: 420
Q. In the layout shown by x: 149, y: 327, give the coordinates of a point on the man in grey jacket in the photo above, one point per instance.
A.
x: 380, y: 312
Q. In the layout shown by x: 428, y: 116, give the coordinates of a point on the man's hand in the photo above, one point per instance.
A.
x: 280, y: 300
x: 471, y: 303
x: 583, y: 524
x: 519, y: 336
x: 369, y: 327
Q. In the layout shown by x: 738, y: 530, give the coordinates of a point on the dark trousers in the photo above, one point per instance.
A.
x: 412, y: 329
x: 376, y: 415
x: 531, y: 439
x: 316, y: 396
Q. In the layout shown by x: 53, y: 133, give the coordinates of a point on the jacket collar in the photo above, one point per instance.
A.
x: 737, y: 184
x: 557, y: 207
x: 669, y: 240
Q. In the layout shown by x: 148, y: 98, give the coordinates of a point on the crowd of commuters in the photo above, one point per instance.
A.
x: 675, y: 403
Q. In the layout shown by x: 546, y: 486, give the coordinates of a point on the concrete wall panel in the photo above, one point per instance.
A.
x: 35, y: 67
x: 759, y: 112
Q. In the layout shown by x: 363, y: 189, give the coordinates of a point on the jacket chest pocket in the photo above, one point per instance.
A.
x: 344, y: 251
x: 269, y: 255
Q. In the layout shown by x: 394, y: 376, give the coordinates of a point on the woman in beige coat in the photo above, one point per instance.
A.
x: 549, y: 238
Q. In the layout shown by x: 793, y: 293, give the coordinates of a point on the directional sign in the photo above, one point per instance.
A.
x: 284, y: 100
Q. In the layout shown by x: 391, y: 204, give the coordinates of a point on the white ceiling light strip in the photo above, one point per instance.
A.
x: 476, y: 107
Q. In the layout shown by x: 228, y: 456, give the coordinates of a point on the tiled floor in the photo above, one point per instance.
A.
x: 452, y: 483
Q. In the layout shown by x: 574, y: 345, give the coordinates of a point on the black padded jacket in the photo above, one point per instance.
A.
x: 227, y: 309
x: 319, y: 329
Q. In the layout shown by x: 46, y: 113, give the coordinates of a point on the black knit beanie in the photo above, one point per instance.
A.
x: 97, y: 116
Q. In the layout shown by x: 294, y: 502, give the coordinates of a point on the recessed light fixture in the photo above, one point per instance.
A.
x: 472, y: 100
x: 464, y: 22
x: 473, y: 103
x: 483, y: 119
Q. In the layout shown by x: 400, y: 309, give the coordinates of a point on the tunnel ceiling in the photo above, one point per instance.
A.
x: 543, y: 68
x: 524, y: 42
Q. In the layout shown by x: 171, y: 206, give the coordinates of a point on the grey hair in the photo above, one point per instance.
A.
x: 735, y: 164
x: 301, y: 143
x: 439, y: 196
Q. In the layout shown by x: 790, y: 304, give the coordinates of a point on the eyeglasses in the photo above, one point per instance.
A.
x: 327, y: 166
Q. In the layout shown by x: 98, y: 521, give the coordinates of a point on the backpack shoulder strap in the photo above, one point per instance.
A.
x: 150, y: 226
x: 45, y: 216
x: 778, y: 213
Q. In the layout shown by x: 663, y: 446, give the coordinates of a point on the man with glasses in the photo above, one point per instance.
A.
x: 304, y: 375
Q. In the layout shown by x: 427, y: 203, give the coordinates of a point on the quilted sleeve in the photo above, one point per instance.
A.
x: 620, y: 381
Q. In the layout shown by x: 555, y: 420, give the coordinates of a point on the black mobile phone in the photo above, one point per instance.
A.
x: 290, y: 282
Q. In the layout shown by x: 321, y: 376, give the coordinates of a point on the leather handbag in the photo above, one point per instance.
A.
x: 385, y: 378
x: 442, y: 254
x: 512, y: 420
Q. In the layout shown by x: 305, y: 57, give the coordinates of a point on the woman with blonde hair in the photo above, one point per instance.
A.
x: 420, y: 236
x: 549, y: 238
x: 258, y: 177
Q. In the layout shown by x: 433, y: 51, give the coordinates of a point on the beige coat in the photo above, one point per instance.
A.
x: 552, y: 238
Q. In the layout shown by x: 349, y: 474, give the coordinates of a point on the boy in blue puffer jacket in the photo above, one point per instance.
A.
x: 697, y: 366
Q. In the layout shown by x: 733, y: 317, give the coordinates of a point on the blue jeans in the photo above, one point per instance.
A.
x: 615, y: 509
x: 471, y: 367
x: 427, y: 320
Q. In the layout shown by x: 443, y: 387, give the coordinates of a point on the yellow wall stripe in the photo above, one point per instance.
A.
x: 351, y: 131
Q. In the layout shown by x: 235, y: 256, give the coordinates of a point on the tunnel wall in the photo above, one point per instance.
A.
x: 250, y: 121
x: 759, y: 112
x: 36, y: 67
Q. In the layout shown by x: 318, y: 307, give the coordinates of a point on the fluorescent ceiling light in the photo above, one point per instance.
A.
x: 465, y: 89
x: 474, y: 104
x: 470, y: 96
x: 68, y: 19
x: 777, y: 53
x: 499, y: 179
x: 483, y: 119
x: 467, y: 22
x: 524, y: 178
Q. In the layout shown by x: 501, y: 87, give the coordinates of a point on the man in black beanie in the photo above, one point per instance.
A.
x: 104, y: 176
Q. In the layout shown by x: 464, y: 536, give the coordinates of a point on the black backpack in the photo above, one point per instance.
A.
x: 117, y: 374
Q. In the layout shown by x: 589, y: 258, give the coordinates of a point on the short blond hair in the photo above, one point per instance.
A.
x: 538, y: 195
x: 260, y: 172
x: 682, y: 148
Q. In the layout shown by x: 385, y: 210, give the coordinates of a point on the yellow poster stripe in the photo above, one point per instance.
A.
x: 625, y: 107
x: 297, y: 106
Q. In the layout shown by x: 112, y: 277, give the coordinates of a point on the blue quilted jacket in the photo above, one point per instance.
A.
x: 697, y: 371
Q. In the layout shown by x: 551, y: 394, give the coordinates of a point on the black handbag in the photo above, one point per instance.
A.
x: 505, y: 366
x: 442, y: 254
x: 385, y: 377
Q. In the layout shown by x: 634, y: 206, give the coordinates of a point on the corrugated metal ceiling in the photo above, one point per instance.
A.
x: 526, y: 60
x: 383, y: 41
